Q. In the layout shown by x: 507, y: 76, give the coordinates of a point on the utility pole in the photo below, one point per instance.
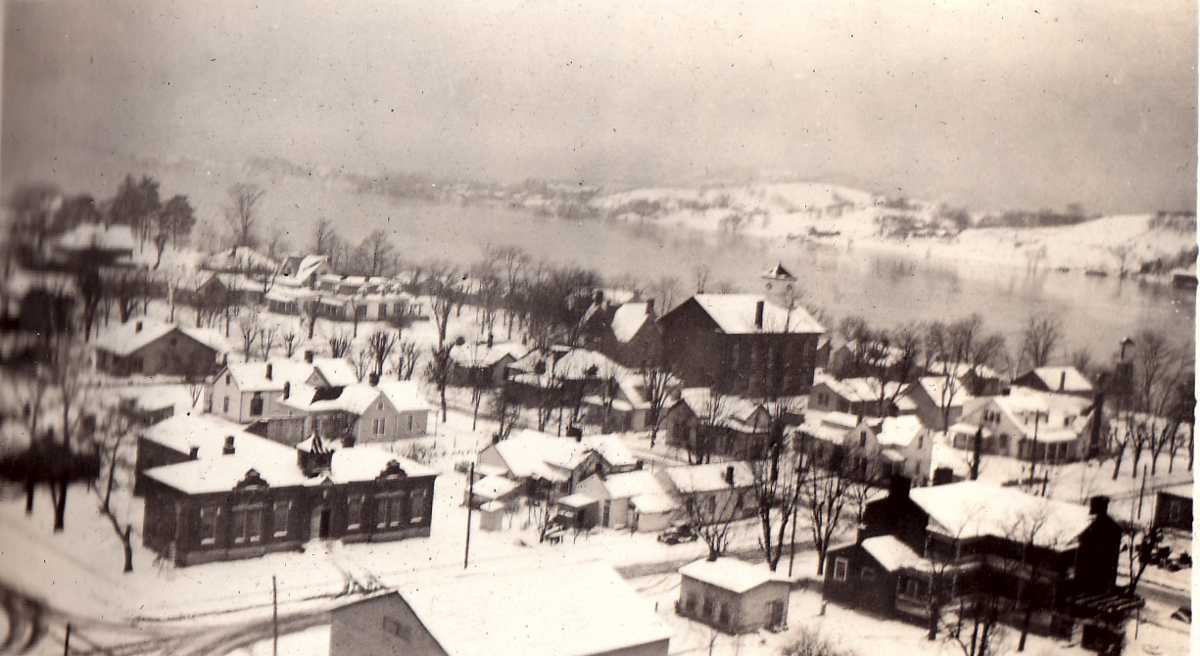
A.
x: 470, y: 502
x: 67, y: 641
x: 274, y: 618
x: 1141, y: 493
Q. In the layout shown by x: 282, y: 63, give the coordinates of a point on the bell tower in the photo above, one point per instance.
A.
x: 779, y: 286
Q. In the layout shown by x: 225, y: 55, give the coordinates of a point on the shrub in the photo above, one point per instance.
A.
x: 812, y: 643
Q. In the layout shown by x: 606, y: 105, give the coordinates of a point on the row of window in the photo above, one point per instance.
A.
x: 392, y: 510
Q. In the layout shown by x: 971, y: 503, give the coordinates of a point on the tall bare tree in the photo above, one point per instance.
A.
x: 1039, y: 340
x: 381, y: 342
x: 241, y: 213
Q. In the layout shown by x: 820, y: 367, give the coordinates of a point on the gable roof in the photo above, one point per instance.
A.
x: 529, y: 610
x: 730, y: 574
x: 974, y: 509
x: 899, y: 431
x: 779, y: 272
x: 736, y: 412
x: 404, y: 395
x: 530, y: 453
x: 335, y: 371
x: 252, y: 376
x: 734, y: 314
x: 239, y: 258
x: 138, y: 332
x: 629, y: 319
x: 632, y: 484
x: 482, y: 355
x: 1070, y: 379
x: 688, y: 479
x: 934, y: 386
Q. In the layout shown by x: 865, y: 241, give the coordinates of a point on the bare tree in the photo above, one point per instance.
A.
x: 250, y: 329
x: 378, y: 250
x: 339, y: 344
x: 241, y: 213
x: 380, y: 344
x: 513, y: 262
x: 711, y: 514
x: 404, y: 364
x: 66, y: 369
x: 323, y: 237
x: 778, y: 479
x: 710, y: 427
x: 267, y: 338
x: 289, y: 338
x: 657, y: 385
x: 665, y: 290
x: 361, y: 360
x: 824, y: 494
x: 701, y: 273
x: 1039, y: 340
x: 506, y: 409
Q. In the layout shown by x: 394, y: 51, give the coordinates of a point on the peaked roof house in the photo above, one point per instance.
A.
x: 483, y: 363
x: 508, y: 611
x: 1059, y: 379
x: 626, y: 332
x: 217, y: 493
x: 540, y: 461
x: 637, y: 500
x: 303, y: 270
x: 94, y: 242
x: 706, y: 424
x: 876, y: 447
x: 742, y: 344
x: 938, y: 402
x: 375, y: 411
x: 973, y: 538
x: 1026, y: 424
x: 248, y: 391
x: 148, y: 347
x: 860, y: 396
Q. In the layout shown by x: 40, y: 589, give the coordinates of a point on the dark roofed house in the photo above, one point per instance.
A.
x: 742, y: 344
x: 144, y: 346
x: 626, y: 332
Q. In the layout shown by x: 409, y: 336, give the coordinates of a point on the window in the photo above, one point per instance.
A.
x: 228, y: 378
x: 208, y: 524
x: 225, y: 405
x: 354, y: 506
x: 378, y: 426
x: 868, y: 574
x: 360, y: 312
x: 912, y: 588
x: 418, y: 506
x: 707, y: 608
x: 839, y: 569
x: 862, y: 439
x: 247, y: 524
x: 410, y: 424
x: 389, y: 510
x: 256, y: 404
x: 397, y: 628
x: 723, y: 614
x: 920, y: 441
x: 689, y: 601
x: 280, y: 520
x: 1175, y: 511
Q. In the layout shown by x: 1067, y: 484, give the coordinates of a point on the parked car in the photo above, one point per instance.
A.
x: 677, y: 534
x: 1183, y: 614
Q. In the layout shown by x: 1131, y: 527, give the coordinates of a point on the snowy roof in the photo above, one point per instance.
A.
x: 960, y: 369
x: 934, y: 386
x: 354, y: 399
x: 736, y: 412
x: 1184, y: 490
x: 973, y: 509
x: 654, y: 503
x: 482, y: 355
x: 577, y: 500
x: 568, y: 609
x: 893, y: 554
x: 863, y: 389
x: 573, y: 364
x: 404, y: 395
x: 88, y: 236
x: 829, y: 426
x: 1062, y: 379
x: 709, y: 478
x: 736, y: 576
x: 1056, y: 417
x: 632, y: 484
x: 239, y: 258
x: 252, y: 376
x: 207, y: 432
x: 629, y: 319
x: 127, y: 338
x: 779, y: 272
x: 734, y: 314
x: 899, y: 431
x: 532, y: 454
x: 305, y: 268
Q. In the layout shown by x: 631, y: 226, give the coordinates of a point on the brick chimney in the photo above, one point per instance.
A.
x: 270, y: 371
x: 373, y: 379
x: 229, y: 447
x: 308, y: 356
x: 1062, y: 381
x: 193, y: 453
x: 1098, y: 505
x: 490, y: 339
x: 729, y: 475
x: 137, y: 327
x: 287, y: 390
x: 650, y: 307
x: 758, y: 315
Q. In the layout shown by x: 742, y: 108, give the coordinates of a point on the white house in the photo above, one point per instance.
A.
x: 249, y: 391
x: 637, y: 500
x: 385, y: 411
x: 1027, y: 424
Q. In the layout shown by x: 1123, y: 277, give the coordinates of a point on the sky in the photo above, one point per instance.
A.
x: 1015, y: 104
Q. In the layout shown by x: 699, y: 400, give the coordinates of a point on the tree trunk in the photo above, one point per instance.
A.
x: 126, y: 543
x: 820, y: 561
x: 30, y: 489
x: 442, y: 391
x: 60, y: 506
x: 1117, y: 464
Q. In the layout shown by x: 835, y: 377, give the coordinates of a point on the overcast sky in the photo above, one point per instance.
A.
x: 1011, y: 104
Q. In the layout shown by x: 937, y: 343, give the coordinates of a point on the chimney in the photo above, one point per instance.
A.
x: 373, y: 379
x: 270, y: 370
x: 598, y: 296
x: 193, y: 453
x: 137, y: 327
x: 1062, y: 381
x: 229, y: 449
x: 650, y: 307
x: 287, y: 390
x: 1098, y: 505
x: 758, y: 315
x: 308, y: 356
x: 729, y: 475
x: 899, y: 486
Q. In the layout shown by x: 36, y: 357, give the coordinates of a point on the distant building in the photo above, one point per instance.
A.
x: 718, y: 489
x: 732, y: 595
x: 240, y: 259
x: 1060, y: 380
x: 483, y: 364
x: 581, y: 609
x: 860, y: 396
x: 148, y: 347
x: 213, y: 492
x: 95, y: 243
x: 741, y: 344
x: 303, y: 270
x: 635, y: 500
x: 938, y: 402
x: 375, y: 411
x: 730, y: 426
x: 968, y: 538
x: 627, y: 332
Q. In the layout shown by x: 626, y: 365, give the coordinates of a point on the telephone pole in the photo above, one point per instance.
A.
x: 274, y: 618
x: 470, y: 503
